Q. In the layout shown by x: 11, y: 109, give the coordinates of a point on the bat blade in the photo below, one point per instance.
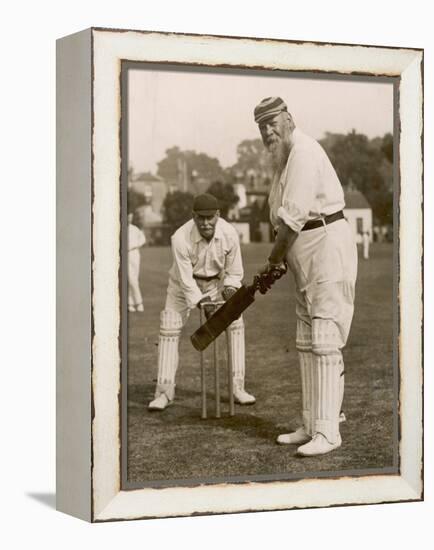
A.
x: 223, y: 317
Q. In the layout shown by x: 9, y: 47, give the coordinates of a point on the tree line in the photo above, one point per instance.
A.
x: 363, y: 163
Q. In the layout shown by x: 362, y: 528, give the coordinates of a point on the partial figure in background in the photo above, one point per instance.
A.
x: 315, y: 241
x: 136, y: 240
x: 206, y: 264
x: 365, y: 242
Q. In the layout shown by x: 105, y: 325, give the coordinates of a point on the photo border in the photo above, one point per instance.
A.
x: 110, y: 48
x: 127, y: 66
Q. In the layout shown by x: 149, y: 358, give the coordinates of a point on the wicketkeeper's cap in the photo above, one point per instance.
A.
x: 268, y: 108
x: 205, y: 204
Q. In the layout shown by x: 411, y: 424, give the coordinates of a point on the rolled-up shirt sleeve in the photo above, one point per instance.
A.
x: 298, y: 190
x: 184, y: 270
x: 234, y: 272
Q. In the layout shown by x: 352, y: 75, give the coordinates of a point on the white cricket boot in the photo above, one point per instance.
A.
x: 237, y: 355
x: 168, y: 359
x: 298, y: 437
x: 159, y: 403
x: 319, y: 445
x: 241, y: 396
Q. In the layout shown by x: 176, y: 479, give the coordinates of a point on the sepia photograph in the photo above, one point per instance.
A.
x: 246, y: 309
x: 166, y: 149
x: 259, y: 255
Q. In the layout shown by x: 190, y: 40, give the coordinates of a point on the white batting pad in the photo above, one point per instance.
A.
x: 236, y: 342
x: 326, y: 337
x: 341, y: 383
x: 307, y: 390
x: 168, y: 357
x: 327, y: 375
x: 303, y: 338
x: 303, y: 343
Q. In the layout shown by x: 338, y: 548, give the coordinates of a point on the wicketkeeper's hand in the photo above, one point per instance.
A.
x: 228, y: 292
x: 207, y: 306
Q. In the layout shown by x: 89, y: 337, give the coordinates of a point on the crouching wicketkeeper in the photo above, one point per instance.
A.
x: 206, y: 262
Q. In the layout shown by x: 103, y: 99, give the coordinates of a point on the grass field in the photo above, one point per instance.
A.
x: 177, y: 444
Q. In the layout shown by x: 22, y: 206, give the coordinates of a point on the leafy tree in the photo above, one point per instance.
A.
x: 168, y: 167
x: 134, y: 200
x: 253, y: 161
x: 365, y: 164
x: 177, y: 207
x: 387, y: 147
x: 226, y: 196
x: 251, y: 154
x: 353, y: 158
x: 205, y: 167
x: 187, y: 167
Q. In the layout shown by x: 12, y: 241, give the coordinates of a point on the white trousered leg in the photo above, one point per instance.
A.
x: 134, y: 293
x: 324, y: 262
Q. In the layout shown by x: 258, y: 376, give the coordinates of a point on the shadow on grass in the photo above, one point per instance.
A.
x: 183, y: 413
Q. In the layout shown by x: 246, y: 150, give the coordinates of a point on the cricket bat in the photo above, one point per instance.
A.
x: 232, y: 309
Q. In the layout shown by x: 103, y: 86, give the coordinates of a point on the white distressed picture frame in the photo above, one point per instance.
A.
x: 88, y: 267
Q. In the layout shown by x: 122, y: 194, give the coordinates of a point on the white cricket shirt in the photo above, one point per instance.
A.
x: 307, y: 188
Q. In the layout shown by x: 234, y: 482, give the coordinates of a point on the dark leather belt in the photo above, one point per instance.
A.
x: 314, y: 224
x: 206, y: 279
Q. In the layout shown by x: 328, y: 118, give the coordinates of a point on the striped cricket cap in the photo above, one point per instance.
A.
x: 268, y: 108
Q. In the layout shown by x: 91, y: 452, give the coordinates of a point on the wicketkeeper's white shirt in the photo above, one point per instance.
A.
x: 194, y: 256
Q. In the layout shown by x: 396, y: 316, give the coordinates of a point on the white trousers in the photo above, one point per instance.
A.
x: 134, y: 293
x: 324, y: 264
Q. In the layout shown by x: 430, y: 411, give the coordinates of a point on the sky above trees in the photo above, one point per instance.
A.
x: 213, y: 112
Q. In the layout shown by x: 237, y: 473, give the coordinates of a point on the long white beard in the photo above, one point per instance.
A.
x: 279, y: 152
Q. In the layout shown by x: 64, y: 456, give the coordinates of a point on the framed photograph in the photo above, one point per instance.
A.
x: 240, y: 300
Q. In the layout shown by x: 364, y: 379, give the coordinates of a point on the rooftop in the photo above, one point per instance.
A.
x: 355, y: 199
x: 147, y: 177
